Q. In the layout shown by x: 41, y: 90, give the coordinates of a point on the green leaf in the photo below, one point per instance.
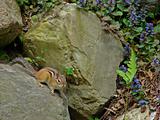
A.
x: 132, y: 69
x: 3, y: 55
x: 122, y: 8
x: 150, y: 14
x: 69, y: 70
x: 28, y: 59
x: 115, y: 24
x: 119, y: 1
x: 139, y: 29
x: 134, y: 93
x: 49, y: 4
x: 40, y: 58
x: 123, y: 75
x: 91, y: 118
x: 34, y: 18
x: 22, y: 2
x: 157, y: 29
x: 117, y: 13
x: 96, y: 119
x: 126, y: 22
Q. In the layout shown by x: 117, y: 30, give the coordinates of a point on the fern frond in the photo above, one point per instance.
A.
x: 132, y: 69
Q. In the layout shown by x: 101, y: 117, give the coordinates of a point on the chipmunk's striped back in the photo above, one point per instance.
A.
x: 60, y: 79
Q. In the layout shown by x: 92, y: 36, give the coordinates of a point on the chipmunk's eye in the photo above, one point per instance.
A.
x: 58, y: 80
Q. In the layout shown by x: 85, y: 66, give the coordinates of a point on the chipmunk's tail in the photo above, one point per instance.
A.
x: 24, y: 63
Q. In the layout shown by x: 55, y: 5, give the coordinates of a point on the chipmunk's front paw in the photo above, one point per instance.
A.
x: 52, y: 92
x: 41, y: 85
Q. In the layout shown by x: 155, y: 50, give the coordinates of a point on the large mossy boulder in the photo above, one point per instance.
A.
x: 22, y: 99
x: 10, y: 21
x: 72, y: 37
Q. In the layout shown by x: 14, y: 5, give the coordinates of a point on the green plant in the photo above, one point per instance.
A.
x: 93, y: 118
x: 69, y: 71
x: 47, y: 4
x: 35, y: 61
x: 157, y: 28
x: 4, y: 56
x: 39, y: 5
x: 147, y: 48
x: 30, y: 60
x: 132, y: 69
x: 22, y: 2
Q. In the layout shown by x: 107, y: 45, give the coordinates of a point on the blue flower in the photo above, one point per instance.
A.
x: 142, y: 37
x: 136, y: 91
x: 138, y: 86
x: 142, y: 102
x: 133, y: 16
x: 135, y: 80
x: 127, y: 2
x: 155, y: 61
x: 158, y: 97
x: 98, y: 1
x: 127, y: 50
x: 123, y: 68
x: 111, y: 2
x: 81, y: 1
x: 149, y: 28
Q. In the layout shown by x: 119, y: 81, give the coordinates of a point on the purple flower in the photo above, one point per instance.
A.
x: 142, y: 36
x: 149, y: 28
x: 127, y: 2
x: 81, y: 1
x: 156, y: 61
x: 142, y: 102
x: 98, y: 1
x: 133, y: 16
x: 158, y: 98
x: 127, y: 50
x: 136, y: 84
x: 135, y: 80
x: 111, y: 2
x: 123, y: 68
x: 136, y: 91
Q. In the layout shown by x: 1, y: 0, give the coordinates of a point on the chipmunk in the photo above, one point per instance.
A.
x: 48, y: 75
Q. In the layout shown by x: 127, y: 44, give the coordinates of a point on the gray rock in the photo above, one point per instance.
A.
x: 22, y: 99
x: 10, y: 21
x: 73, y: 37
x: 135, y: 114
